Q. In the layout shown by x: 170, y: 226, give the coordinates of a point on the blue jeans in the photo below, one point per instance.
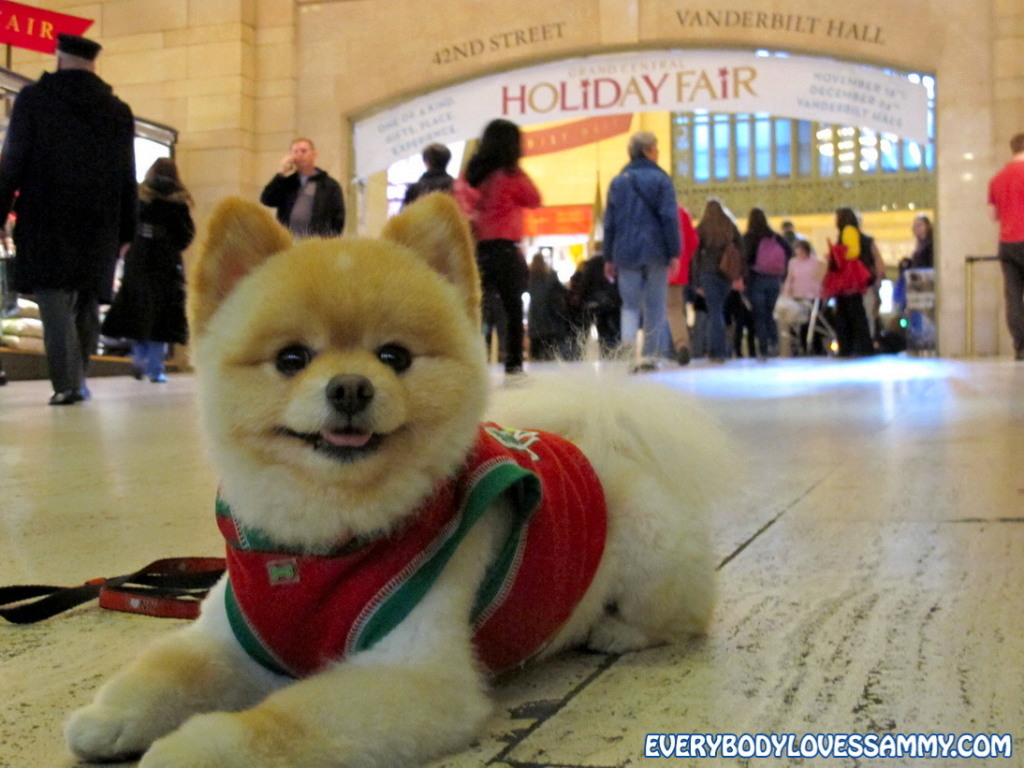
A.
x: 763, y: 291
x: 716, y: 291
x: 643, y: 296
x: 148, y: 357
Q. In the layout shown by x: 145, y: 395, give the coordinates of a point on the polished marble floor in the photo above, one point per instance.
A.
x: 871, y: 566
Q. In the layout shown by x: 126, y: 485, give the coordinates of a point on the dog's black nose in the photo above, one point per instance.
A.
x: 350, y: 394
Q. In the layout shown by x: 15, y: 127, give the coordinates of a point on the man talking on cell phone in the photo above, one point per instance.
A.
x: 308, y: 201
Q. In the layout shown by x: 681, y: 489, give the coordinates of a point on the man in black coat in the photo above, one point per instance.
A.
x: 69, y: 157
x: 308, y: 201
x: 436, y: 178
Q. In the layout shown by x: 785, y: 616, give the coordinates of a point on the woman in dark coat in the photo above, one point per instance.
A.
x: 549, y: 328
x: 924, y: 249
x: 150, y: 307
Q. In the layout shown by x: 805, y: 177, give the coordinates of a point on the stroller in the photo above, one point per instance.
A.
x: 804, y: 327
x: 820, y: 334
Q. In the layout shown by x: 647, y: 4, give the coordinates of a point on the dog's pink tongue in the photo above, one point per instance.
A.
x: 346, y: 439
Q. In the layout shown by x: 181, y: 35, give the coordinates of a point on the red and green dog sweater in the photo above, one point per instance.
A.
x: 296, y: 612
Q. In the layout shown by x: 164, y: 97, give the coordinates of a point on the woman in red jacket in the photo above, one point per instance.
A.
x: 501, y: 190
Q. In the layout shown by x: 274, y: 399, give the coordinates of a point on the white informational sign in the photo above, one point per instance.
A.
x: 798, y: 87
x: 921, y: 288
x: 921, y: 335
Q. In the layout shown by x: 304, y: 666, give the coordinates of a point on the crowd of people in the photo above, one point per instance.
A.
x: 659, y: 278
x: 659, y: 288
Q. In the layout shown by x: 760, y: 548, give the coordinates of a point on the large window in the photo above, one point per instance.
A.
x: 718, y: 154
x: 735, y: 147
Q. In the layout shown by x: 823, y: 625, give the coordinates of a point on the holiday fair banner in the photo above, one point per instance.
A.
x: 24, y: 26
x: 798, y: 87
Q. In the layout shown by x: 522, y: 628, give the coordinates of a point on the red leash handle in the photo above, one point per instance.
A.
x: 130, y: 601
x: 172, y: 588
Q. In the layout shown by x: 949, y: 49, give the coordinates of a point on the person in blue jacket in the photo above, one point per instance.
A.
x: 641, y: 242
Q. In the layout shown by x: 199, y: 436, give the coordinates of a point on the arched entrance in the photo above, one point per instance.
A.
x: 802, y: 87
x: 847, y: 126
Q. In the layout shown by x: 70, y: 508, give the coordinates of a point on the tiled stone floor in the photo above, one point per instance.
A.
x: 871, y: 566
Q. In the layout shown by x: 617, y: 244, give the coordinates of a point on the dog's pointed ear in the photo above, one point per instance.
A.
x: 241, y: 236
x: 435, y: 229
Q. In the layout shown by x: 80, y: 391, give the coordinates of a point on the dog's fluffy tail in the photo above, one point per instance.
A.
x: 665, y: 467
x: 618, y: 419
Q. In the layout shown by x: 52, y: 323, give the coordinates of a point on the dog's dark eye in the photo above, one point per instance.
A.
x: 293, y: 359
x: 395, y: 357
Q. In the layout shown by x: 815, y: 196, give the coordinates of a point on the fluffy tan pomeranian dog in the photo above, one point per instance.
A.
x: 391, y: 548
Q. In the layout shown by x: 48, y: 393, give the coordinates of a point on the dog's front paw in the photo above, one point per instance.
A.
x: 100, y: 732
x: 218, y: 739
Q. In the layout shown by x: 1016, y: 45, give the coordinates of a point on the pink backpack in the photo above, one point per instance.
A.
x: 770, y: 258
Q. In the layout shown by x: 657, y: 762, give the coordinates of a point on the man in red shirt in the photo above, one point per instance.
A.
x: 1006, y: 196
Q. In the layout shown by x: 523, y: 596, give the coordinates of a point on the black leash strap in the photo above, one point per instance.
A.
x: 169, y: 588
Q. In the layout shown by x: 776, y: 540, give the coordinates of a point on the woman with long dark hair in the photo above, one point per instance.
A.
x: 853, y: 331
x: 768, y: 254
x: 500, y: 192
x: 924, y: 248
x: 716, y: 228
x: 149, y: 308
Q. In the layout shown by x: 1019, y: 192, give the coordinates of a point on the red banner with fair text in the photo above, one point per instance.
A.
x: 25, y: 26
